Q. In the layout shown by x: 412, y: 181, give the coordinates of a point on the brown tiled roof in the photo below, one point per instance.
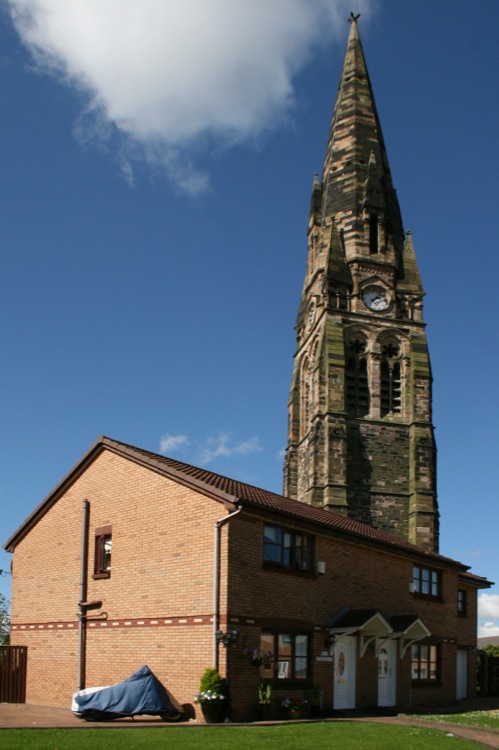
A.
x: 235, y: 493
x: 402, y: 622
x: 475, y: 580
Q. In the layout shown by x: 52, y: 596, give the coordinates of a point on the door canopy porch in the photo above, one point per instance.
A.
x: 371, y: 626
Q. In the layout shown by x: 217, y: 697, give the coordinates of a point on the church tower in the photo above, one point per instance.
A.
x: 360, y: 435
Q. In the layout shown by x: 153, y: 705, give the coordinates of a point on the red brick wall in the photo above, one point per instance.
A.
x: 159, y: 598
x: 356, y: 576
x: 162, y: 568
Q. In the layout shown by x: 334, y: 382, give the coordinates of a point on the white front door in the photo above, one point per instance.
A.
x: 387, y: 674
x: 344, y: 673
x: 462, y: 675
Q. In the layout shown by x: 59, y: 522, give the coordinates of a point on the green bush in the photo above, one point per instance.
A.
x: 211, y: 681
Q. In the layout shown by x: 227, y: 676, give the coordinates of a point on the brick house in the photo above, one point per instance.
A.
x: 176, y: 553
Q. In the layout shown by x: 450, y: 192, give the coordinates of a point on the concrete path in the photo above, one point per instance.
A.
x: 30, y: 716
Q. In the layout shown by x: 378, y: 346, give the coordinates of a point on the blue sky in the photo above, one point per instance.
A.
x: 155, y: 180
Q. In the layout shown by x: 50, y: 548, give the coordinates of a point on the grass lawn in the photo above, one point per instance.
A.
x: 486, y: 719
x: 344, y: 735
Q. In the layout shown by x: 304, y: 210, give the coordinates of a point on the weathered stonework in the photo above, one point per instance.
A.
x: 360, y: 438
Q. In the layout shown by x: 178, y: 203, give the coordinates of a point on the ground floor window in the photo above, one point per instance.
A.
x: 425, y: 663
x: 290, y: 655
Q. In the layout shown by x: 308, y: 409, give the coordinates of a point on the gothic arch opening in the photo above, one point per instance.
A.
x: 306, y: 396
x: 357, y: 377
x: 390, y: 380
x: 373, y: 235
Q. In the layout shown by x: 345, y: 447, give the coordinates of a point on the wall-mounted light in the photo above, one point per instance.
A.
x: 330, y: 641
x: 227, y: 638
x: 411, y: 587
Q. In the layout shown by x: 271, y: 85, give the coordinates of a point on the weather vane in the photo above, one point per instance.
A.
x: 353, y: 17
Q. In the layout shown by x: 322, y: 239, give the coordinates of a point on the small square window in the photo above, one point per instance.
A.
x: 289, y: 549
x: 426, y: 581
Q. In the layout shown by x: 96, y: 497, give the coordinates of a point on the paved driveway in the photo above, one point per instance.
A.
x: 25, y: 715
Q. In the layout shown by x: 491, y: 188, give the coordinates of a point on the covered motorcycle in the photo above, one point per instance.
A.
x: 141, y: 693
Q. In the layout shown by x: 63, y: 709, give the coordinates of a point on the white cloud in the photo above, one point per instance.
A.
x: 170, y: 443
x: 163, y: 76
x: 220, y: 445
x: 475, y: 554
x: 488, y: 607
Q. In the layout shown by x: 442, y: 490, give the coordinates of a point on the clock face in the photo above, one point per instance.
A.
x: 375, y: 298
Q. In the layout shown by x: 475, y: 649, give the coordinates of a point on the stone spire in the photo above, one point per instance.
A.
x: 360, y: 433
x: 356, y: 177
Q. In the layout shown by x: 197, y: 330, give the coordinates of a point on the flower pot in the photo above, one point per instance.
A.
x: 255, y: 662
x: 213, y: 712
x: 264, y: 711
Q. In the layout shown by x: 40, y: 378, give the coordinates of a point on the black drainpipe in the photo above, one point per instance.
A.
x: 82, y: 611
x: 216, y: 581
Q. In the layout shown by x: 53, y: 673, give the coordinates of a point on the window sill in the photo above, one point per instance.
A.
x: 428, y: 597
x: 290, y: 684
x: 288, y: 570
x: 99, y: 576
x: 426, y: 683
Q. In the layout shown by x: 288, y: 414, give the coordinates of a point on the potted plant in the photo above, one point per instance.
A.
x: 293, y: 707
x: 264, y: 700
x: 314, y: 699
x: 211, y: 696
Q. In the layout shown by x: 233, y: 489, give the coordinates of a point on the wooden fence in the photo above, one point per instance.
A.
x: 13, y: 663
x: 493, y: 675
x: 487, y: 674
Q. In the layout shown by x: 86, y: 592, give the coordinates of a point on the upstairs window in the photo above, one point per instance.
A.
x: 462, y: 603
x: 289, y: 549
x: 391, y: 390
x: 103, y: 548
x: 426, y: 581
x: 357, y: 381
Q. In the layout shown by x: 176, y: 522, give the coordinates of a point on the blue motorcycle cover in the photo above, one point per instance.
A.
x: 141, y: 693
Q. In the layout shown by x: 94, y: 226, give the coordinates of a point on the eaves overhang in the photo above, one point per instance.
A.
x: 140, y: 457
x: 344, y: 528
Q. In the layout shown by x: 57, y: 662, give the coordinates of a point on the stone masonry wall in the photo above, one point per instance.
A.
x: 378, y: 474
